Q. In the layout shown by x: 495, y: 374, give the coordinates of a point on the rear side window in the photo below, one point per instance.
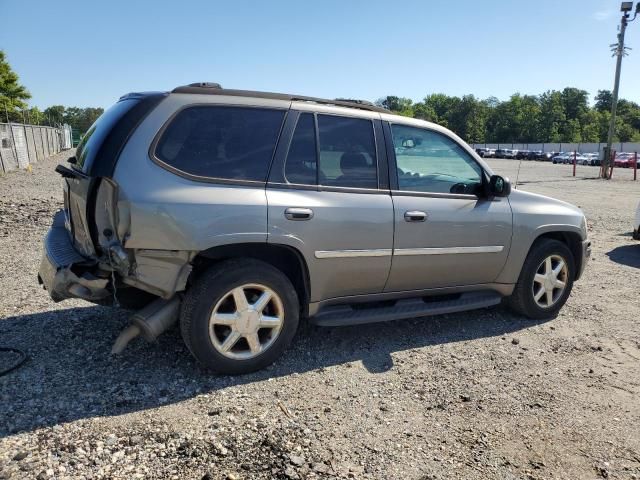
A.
x: 302, y: 165
x: 232, y: 143
x: 347, y: 152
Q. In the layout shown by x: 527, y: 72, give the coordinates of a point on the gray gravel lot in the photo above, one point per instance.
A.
x: 482, y: 394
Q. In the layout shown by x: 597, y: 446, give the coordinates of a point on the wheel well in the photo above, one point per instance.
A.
x: 286, y: 259
x: 571, y: 240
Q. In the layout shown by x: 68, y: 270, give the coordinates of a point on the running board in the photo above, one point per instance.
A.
x: 404, y: 308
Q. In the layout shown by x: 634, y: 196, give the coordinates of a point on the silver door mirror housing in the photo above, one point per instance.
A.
x: 499, y: 186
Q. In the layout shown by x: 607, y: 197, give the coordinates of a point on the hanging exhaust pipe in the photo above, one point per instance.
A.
x: 150, y: 321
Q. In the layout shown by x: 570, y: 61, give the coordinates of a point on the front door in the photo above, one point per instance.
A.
x: 324, y: 200
x: 447, y: 233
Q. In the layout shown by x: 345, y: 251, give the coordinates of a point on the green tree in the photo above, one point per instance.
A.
x: 575, y: 102
x: 515, y: 120
x: 81, y: 119
x: 55, y: 113
x: 34, y: 116
x: 590, y: 127
x: 397, y: 104
x: 603, y: 100
x: 552, y: 116
x: 424, y: 112
x: 468, y: 118
x: 13, y: 96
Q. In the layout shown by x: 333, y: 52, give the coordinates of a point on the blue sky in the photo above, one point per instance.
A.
x: 89, y: 53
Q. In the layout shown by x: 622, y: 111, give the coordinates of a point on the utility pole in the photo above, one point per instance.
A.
x: 619, y: 52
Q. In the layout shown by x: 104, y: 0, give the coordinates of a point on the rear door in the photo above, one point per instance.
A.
x: 328, y: 197
x: 447, y: 233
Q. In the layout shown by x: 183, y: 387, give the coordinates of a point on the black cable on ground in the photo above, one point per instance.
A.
x: 22, y: 357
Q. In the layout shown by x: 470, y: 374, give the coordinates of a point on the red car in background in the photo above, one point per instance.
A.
x: 624, y: 159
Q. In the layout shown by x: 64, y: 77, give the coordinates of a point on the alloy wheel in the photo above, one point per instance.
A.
x: 246, y: 321
x: 550, y: 281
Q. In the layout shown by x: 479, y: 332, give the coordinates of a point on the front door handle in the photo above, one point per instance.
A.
x: 415, y: 216
x: 293, y: 213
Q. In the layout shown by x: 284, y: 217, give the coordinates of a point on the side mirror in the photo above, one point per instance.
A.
x: 499, y: 186
x: 72, y: 160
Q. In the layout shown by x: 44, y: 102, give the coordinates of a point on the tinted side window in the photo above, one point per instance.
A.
x: 302, y: 160
x: 428, y: 161
x: 347, y: 152
x: 234, y: 143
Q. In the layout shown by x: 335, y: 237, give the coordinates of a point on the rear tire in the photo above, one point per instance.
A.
x: 538, y: 293
x: 239, y: 316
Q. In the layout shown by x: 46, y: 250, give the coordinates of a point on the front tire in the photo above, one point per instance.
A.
x: 239, y: 316
x: 545, y: 281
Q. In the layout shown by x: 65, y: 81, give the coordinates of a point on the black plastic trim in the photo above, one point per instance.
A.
x: 381, y: 153
x: 413, y: 193
x: 326, y: 188
x: 276, y: 172
x: 104, y: 163
x: 391, y: 156
x: 405, y: 308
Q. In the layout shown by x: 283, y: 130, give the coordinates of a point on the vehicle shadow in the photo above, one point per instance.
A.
x: 71, y: 375
x: 626, y: 255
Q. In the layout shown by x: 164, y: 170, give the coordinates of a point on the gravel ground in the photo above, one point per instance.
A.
x: 482, y: 394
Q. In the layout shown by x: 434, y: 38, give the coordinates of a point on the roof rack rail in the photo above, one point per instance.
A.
x: 356, y: 101
x: 205, y: 85
x: 207, y: 88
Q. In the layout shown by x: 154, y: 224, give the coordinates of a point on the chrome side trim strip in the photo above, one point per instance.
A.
x: 379, y: 252
x: 448, y: 250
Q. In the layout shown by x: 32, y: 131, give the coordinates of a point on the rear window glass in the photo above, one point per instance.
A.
x: 233, y: 143
x: 93, y: 139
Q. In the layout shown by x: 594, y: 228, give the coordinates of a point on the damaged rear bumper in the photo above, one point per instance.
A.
x: 64, y: 272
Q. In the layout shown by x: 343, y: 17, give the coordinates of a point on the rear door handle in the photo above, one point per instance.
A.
x: 415, y: 216
x: 293, y: 213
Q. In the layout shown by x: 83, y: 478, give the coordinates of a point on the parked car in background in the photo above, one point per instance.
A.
x: 591, y: 157
x: 569, y: 157
x: 559, y: 157
x: 580, y: 159
x: 506, y: 153
x: 485, y: 152
x: 624, y: 160
x: 523, y: 155
x: 239, y: 213
x: 545, y: 156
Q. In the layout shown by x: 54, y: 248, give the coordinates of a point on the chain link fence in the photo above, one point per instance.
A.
x: 21, y: 145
